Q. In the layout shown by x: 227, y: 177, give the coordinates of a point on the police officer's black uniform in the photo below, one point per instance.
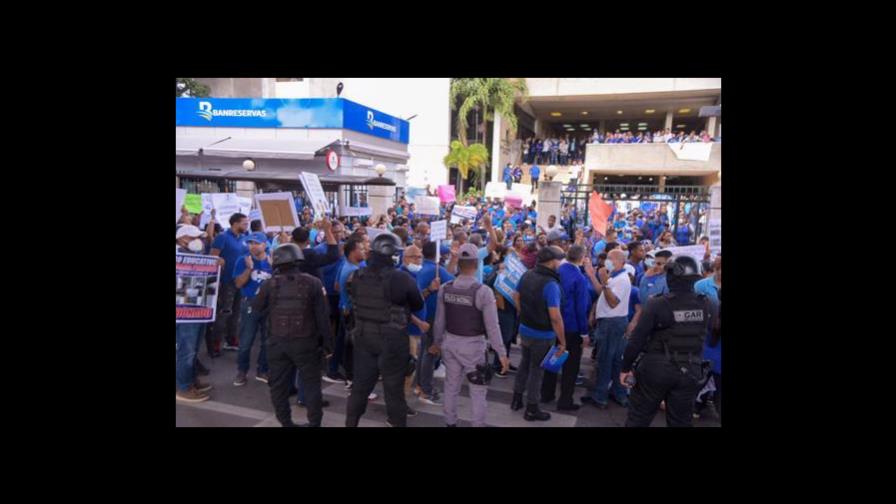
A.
x: 296, y: 311
x: 669, y: 341
x: 381, y: 299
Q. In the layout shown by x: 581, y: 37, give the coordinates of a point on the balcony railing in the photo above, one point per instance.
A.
x: 653, y: 158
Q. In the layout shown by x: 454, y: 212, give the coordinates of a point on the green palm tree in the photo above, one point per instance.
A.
x: 490, y: 95
x: 467, y: 159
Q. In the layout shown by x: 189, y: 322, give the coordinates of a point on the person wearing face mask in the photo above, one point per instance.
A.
x: 381, y: 297
x: 412, y: 264
x: 539, y: 297
x: 612, y: 320
x: 248, y: 275
x: 189, y: 388
x: 654, y: 280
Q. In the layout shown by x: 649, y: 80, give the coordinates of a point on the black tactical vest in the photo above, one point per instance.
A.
x: 371, y: 302
x: 683, y: 340
x: 291, y: 312
x: 533, y: 308
x: 461, y: 315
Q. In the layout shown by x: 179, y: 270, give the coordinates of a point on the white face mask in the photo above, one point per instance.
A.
x: 415, y: 268
x: 195, y: 245
x: 609, y: 265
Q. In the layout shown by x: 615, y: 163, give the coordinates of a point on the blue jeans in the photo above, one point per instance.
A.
x: 187, y: 342
x: 250, y: 325
x: 611, y: 334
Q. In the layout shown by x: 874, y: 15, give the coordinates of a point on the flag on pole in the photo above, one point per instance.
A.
x: 600, y: 212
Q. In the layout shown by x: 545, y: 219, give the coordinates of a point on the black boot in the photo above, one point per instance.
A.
x: 517, y: 403
x: 533, y: 413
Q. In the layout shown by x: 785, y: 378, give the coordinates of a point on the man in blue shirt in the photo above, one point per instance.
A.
x: 249, y: 272
x: 575, y: 306
x: 541, y: 323
x: 330, y: 276
x: 231, y: 245
x: 354, y: 252
x: 429, y: 289
x: 636, y: 258
x: 654, y: 280
x: 412, y: 264
x: 711, y: 286
x: 508, y: 176
x: 534, y: 172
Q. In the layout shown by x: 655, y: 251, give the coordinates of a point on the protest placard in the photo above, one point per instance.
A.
x: 207, y: 208
x: 225, y: 205
x: 495, y: 190
x: 245, y: 205
x: 193, y: 202
x: 412, y: 193
x: 695, y: 251
x: 196, y: 290
x: 463, y: 212
x: 427, y: 205
x: 345, y: 211
x: 446, y: 193
x: 513, y: 200
x: 254, y: 214
x: 509, y: 278
x: 373, y: 232
x: 315, y: 193
x: 179, y: 197
x: 715, y: 235
x: 524, y: 191
x: 278, y: 212
x: 437, y: 232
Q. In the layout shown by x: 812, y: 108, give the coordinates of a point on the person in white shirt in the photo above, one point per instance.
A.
x: 546, y: 150
x: 612, y: 320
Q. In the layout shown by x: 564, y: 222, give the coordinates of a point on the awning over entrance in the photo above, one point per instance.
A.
x: 190, y: 145
x: 268, y: 148
x: 362, y: 148
x: 283, y: 176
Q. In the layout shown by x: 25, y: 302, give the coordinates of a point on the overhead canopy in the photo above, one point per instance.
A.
x: 190, y: 145
x: 356, y: 180
x: 268, y: 148
x: 363, y: 148
x: 281, y: 176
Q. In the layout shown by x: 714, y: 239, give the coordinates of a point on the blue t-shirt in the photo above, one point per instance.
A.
x: 534, y: 172
x: 329, y: 274
x: 651, y: 285
x: 708, y: 288
x: 347, y: 268
x: 633, y: 300
x: 551, y: 293
x: 425, y: 277
x: 682, y: 235
x: 482, y: 254
x: 508, y: 175
x: 232, y: 247
x: 599, y: 247
x: 261, y: 271
x: 413, y: 330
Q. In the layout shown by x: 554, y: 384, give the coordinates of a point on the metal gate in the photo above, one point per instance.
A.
x: 678, y: 197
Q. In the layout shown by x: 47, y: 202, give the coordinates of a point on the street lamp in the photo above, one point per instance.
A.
x: 380, y: 169
x: 249, y: 164
x: 550, y: 171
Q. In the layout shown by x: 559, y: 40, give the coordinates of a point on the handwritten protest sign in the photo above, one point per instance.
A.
x: 437, y: 232
x: 446, y: 193
x: 193, y: 202
x: 346, y: 211
x: 427, y: 205
x: 695, y: 251
x: 315, y: 193
x: 507, y: 280
x: 278, y: 212
x: 463, y: 212
x: 495, y: 190
x: 413, y: 193
x: 196, y: 290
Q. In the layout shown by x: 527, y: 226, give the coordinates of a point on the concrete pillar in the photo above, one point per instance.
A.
x: 711, y: 125
x: 496, y: 166
x: 380, y: 198
x: 662, y: 183
x: 548, y: 202
x: 668, y: 125
x: 340, y: 199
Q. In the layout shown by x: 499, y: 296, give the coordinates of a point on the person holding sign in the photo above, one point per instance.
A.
x: 231, y: 245
x: 465, y: 313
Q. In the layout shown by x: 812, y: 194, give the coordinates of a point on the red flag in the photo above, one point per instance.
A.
x: 599, y: 211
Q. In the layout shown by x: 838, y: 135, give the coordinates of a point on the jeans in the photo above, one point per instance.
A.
x: 611, y: 334
x: 509, y: 183
x: 530, y: 372
x: 553, y: 157
x: 534, y: 184
x: 425, y: 360
x: 227, y: 317
x: 187, y: 339
x: 250, y: 325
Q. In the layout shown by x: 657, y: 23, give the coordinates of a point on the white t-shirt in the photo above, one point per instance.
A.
x: 621, y: 286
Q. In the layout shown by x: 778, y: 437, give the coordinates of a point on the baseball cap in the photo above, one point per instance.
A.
x: 557, y: 235
x: 550, y: 253
x: 468, y: 251
x: 257, y: 237
x: 188, y: 230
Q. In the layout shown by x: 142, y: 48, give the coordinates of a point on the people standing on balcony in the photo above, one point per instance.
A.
x: 596, y: 137
x: 704, y: 137
x: 563, y: 150
x: 555, y: 150
x: 572, y: 150
x: 545, y: 150
x: 638, y: 138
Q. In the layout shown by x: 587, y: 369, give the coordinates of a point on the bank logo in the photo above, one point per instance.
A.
x: 371, y: 123
x: 205, y: 110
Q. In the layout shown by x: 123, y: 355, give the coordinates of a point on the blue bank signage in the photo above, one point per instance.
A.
x: 316, y: 113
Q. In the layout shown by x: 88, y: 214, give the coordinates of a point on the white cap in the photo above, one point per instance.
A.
x: 188, y: 230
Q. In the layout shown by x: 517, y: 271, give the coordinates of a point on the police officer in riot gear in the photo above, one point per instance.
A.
x: 382, y: 299
x: 295, y: 307
x: 668, y: 347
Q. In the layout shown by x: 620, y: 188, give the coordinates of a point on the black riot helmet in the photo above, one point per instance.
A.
x: 287, y: 254
x: 386, y: 244
x: 682, y: 272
